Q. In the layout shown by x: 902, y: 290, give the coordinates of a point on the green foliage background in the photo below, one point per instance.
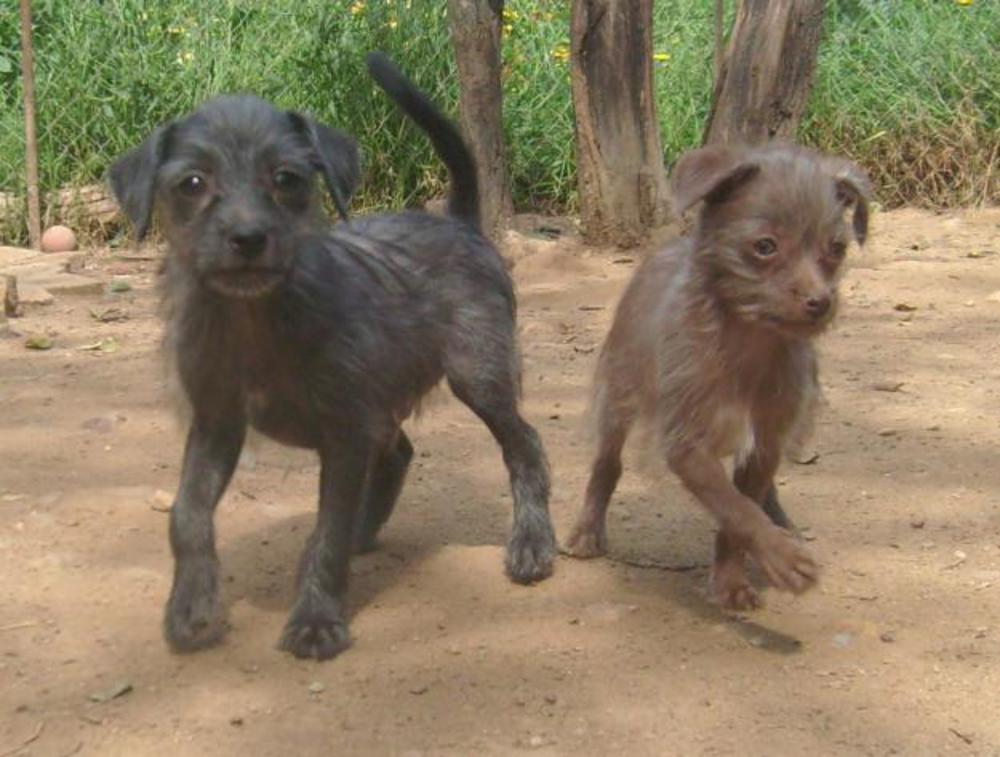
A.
x: 910, y: 88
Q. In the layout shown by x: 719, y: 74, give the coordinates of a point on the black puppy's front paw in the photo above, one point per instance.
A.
x: 193, y: 619
x: 316, y: 632
x: 530, y: 554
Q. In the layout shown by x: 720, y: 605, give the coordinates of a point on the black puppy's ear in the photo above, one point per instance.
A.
x: 133, y: 179
x: 709, y: 174
x: 337, y: 158
x: 853, y: 188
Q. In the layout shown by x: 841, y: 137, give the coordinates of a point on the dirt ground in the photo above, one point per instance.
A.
x: 897, y: 651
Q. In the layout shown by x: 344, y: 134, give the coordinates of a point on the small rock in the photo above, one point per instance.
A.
x: 917, y: 523
x: 108, y: 344
x: 161, y: 501
x: 904, y: 307
x: 887, y: 636
x: 842, y: 640
x: 108, y: 315
x: 887, y: 386
x: 887, y: 432
x: 100, y: 424
x: 551, y: 699
x: 237, y: 721
x: 960, y: 557
x: 119, y: 689
x: 39, y: 342
x: 419, y: 690
x: 316, y: 688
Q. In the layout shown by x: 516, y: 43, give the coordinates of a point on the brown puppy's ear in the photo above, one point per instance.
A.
x: 709, y: 174
x: 853, y: 189
x: 133, y: 178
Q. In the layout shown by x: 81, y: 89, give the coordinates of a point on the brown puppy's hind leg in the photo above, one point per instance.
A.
x: 589, y: 535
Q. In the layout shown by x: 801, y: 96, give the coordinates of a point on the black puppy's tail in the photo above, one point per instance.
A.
x: 463, y: 202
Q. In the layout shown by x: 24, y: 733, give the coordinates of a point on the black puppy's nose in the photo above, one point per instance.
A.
x: 248, y: 244
x: 817, y: 307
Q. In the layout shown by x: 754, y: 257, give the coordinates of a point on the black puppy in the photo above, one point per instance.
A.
x: 321, y: 338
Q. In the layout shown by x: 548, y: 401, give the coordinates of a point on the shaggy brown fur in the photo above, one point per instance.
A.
x: 712, y: 345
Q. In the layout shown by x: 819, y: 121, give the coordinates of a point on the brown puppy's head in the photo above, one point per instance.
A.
x: 772, y: 232
x: 234, y: 183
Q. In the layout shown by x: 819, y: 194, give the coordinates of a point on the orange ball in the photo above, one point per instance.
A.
x: 58, y: 239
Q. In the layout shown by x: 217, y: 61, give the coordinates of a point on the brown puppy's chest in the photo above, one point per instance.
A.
x: 761, y: 396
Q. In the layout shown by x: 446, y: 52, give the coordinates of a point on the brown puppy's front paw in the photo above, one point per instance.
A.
x: 735, y: 596
x: 586, y: 542
x: 730, y: 589
x: 784, y: 560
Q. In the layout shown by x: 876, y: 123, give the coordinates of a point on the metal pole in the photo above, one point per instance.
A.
x: 30, y: 135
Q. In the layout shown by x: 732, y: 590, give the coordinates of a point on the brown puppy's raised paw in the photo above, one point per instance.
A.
x: 787, y: 564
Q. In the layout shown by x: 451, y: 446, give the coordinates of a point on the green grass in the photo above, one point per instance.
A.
x: 910, y: 89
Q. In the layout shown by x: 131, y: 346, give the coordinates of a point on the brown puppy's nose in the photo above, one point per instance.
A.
x: 817, y: 307
x: 248, y: 244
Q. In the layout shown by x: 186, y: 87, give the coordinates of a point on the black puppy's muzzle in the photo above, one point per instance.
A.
x: 251, y: 266
x: 248, y: 244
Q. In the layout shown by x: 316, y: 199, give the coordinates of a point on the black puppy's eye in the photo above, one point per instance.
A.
x: 838, y: 250
x: 765, y: 248
x: 192, y: 185
x: 287, y: 181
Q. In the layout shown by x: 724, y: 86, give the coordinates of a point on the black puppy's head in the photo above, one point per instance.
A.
x: 235, y: 186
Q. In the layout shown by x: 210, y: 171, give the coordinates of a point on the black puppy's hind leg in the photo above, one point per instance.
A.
x: 382, y: 491
x: 317, y: 626
x: 484, y: 376
x: 193, y: 619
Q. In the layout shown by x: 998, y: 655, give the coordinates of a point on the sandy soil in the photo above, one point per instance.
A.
x: 897, y: 651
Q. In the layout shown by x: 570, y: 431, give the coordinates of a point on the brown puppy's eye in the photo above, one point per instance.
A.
x: 192, y: 185
x: 838, y: 250
x: 287, y: 181
x: 764, y: 248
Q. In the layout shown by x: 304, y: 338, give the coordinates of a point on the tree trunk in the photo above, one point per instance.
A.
x: 475, y: 35
x: 762, y: 87
x: 621, y: 180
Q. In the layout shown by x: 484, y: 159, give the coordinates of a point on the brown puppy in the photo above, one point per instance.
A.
x: 712, y: 345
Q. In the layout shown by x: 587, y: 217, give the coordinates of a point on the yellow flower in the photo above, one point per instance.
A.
x: 561, y: 53
x: 358, y: 6
x: 964, y: 2
x: 509, y: 16
x: 393, y: 23
x: 508, y: 28
x: 661, y: 57
x: 183, y: 58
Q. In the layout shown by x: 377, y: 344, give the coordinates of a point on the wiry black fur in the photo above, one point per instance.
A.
x: 326, y: 339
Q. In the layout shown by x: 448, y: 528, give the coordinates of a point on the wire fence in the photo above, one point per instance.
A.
x: 108, y: 73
